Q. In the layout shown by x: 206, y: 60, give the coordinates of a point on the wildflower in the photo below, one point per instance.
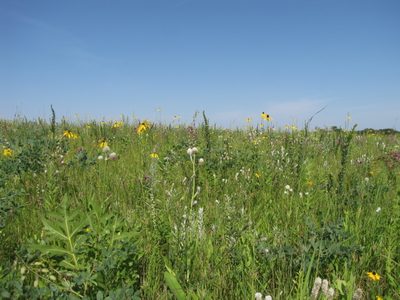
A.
x: 268, y: 297
x: 100, y: 157
x: 7, y: 152
x: 379, y: 298
x: 316, y: 287
x: 374, y: 276
x: 258, y: 296
x: 357, y: 294
x: 330, y: 294
x: 378, y: 210
x: 113, y: 156
x: 106, y: 148
x: 310, y: 183
x: 266, y: 117
x: 189, y: 151
x: 154, y: 155
x: 143, y: 127
x: 257, y: 174
x: 201, y: 161
x: 324, y: 286
x: 103, y: 143
x: 288, y: 189
x: 70, y: 135
x: 194, y: 150
x: 117, y: 125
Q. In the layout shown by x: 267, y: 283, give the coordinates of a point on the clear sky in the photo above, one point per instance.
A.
x: 233, y: 58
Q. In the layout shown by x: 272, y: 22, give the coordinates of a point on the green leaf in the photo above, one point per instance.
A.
x: 51, y: 249
x: 54, y: 231
x: 174, y: 286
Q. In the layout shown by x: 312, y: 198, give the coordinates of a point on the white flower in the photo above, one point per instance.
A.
x: 201, y: 161
x: 325, y: 287
x: 366, y: 179
x: 378, y: 210
x: 316, y: 287
x: 100, y: 157
x: 189, y: 151
x: 288, y: 188
x: 268, y: 297
x: 258, y: 296
x: 113, y: 156
x: 106, y: 149
x: 331, y: 293
x: 358, y: 294
x: 194, y: 150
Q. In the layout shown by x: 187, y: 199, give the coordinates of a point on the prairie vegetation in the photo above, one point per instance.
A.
x: 126, y: 210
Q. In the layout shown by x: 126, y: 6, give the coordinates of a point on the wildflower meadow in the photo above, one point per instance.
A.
x: 134, y: 209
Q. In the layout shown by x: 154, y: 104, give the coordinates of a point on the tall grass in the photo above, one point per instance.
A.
x: 268, y: 211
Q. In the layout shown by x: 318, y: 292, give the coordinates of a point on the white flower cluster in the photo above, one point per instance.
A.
x: 259, y: 296
x: 322, y: 285
x: 192, y: 152
x: 107, y: 155
x: 288, y: 190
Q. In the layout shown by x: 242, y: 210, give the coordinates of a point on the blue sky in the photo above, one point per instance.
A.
x: 233, y: 59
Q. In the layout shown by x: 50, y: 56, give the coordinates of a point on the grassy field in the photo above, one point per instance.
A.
x: 128, y: 210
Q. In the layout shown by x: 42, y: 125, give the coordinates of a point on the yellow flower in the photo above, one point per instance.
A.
x: 374, y: 276
x: 70, y: 135
x: 257, y: 174
x: 117, y: 124
x: 103, y: 143
x: 154, y: 155
x: 143, y: 127
x: 379, y: 298
x: 266, y: 117
x: 7, y: 152
x: 310, y: 183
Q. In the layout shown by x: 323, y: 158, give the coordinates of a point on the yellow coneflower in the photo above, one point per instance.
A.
x: 103, y: 143
x: 266, y: 117
x: 7, y: 152
x: 154, y: 155
x: 143, y: 127
x: 118, y: 124
x: 70, y: 135
x: 374, y: 276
